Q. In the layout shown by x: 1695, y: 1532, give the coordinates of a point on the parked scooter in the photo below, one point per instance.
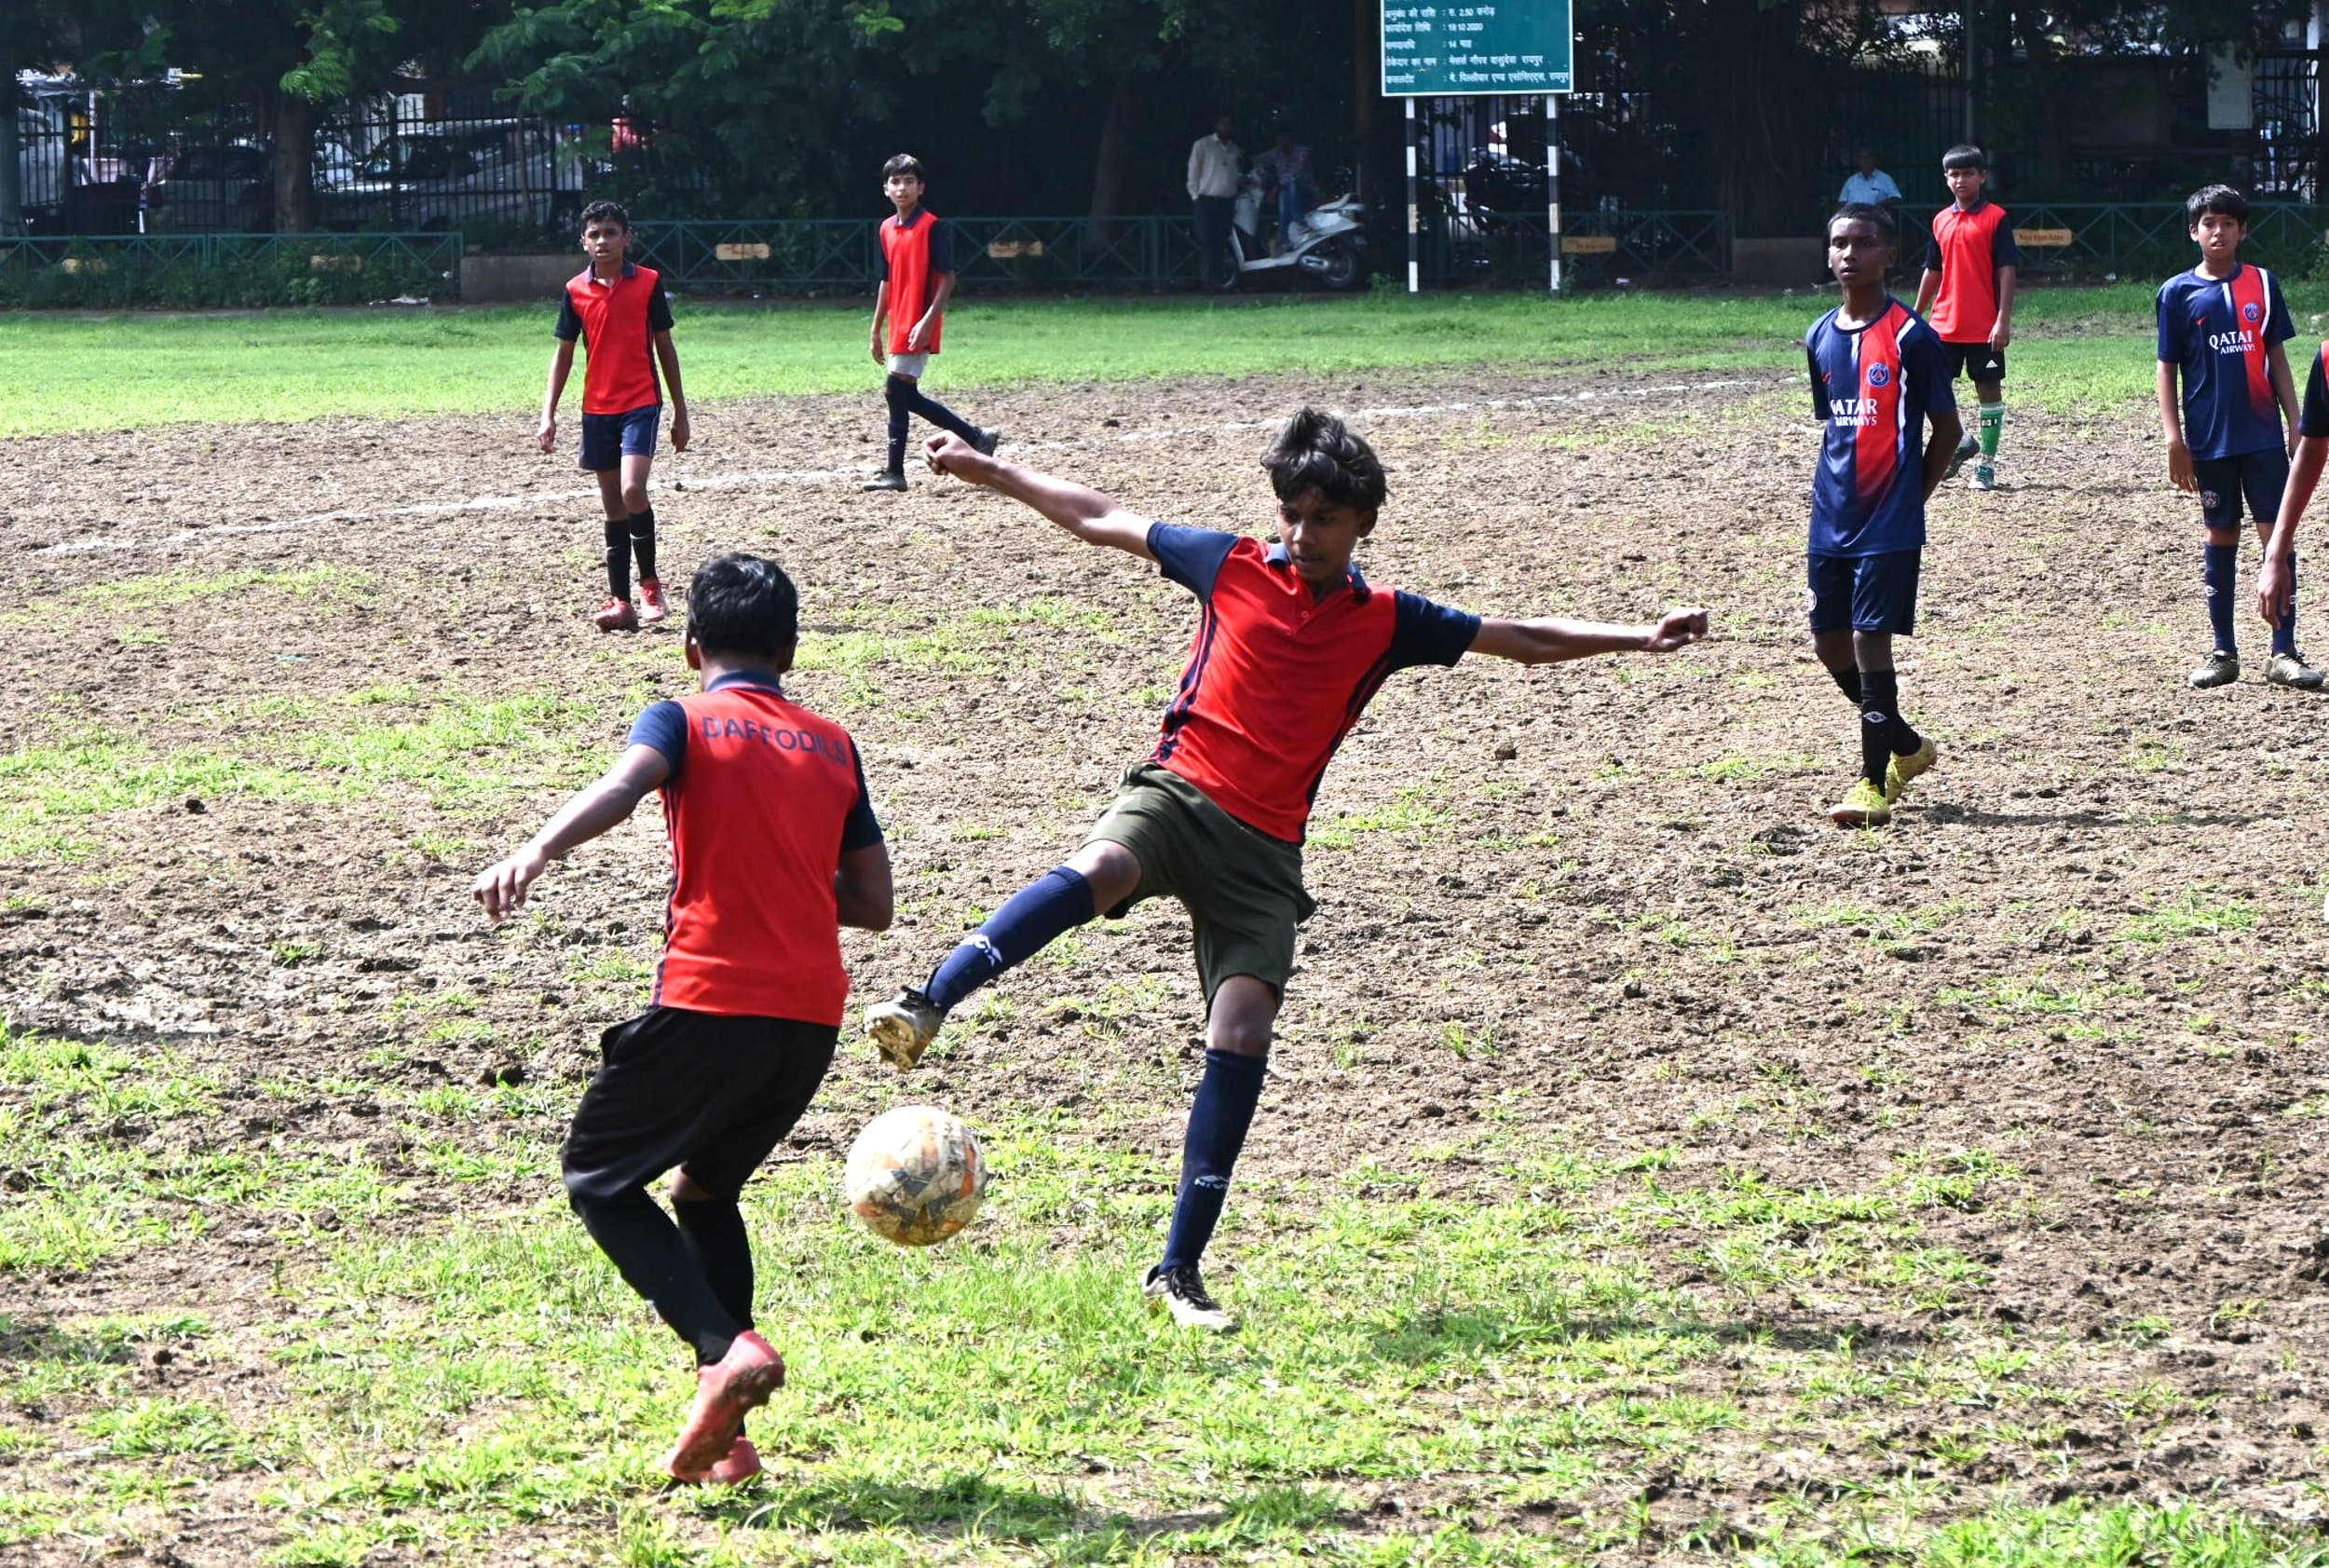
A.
x: 1329, y: 245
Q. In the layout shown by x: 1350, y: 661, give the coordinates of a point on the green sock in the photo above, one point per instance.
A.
x: 1993, y: 423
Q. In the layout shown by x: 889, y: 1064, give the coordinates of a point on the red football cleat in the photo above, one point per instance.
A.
x: 616, y: 615
x: 727, y: 1391
x: 742, y: 1464
x: 652, y: 606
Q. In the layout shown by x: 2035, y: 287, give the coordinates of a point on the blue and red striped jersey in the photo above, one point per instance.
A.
x: 1873, y: 386
x: 1278, y: 674
x: 2216, y: 330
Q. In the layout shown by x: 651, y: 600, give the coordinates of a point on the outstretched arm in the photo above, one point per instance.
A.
x: 1555, y: 639
x: 1087, y: 513
x: 501, y: 889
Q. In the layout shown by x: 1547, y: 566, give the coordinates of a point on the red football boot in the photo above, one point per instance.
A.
x: 727, y: 1391
x: 742, y: 1464
x: 652, y: 606
x: 616, y: 615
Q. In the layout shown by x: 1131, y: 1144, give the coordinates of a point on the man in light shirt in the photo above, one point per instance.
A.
x: 1870, y: 185
x: 1215, y: 164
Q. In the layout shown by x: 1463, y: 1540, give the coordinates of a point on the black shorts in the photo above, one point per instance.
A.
x: 1865, y: 593
x: 711, y: 1093
x: 2259, y: 477
x: 1976, y: 362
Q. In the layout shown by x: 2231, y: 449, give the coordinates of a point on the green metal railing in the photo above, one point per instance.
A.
x: 1676, y: 242
x: 242, y: 269
x: 2150, y: 240
x: 790, y: 255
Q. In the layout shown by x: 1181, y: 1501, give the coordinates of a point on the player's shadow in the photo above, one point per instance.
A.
x: 28, y: 1340
x: 1973, y: 816
x: 1052, y: 1526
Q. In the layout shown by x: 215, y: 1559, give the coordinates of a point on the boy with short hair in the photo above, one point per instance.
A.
x: 774, y: 848
x: 917, y: 269
x: 2222, y: 325
x: 1878, y: 375
x: 617, y: 311
x: 1969, y: 285
x: 1292, y: 644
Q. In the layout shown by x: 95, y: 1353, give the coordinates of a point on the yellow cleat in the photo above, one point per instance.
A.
x: 1863, y: 805
x: 1900, y: 771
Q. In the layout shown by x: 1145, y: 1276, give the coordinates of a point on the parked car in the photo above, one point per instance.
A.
x: 503, y: 172
x: 218, y: 189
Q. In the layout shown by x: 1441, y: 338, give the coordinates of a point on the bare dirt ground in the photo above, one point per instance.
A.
x: 2090, y: 955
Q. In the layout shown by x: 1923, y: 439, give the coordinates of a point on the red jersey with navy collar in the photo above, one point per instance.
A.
x: 916, y: 252
x: 1277, y: 675
x: 617, y: 324
x: 1968, y: 245
x: 763, y: 800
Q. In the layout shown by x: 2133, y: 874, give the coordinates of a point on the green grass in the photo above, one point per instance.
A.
x: 2087, y: 348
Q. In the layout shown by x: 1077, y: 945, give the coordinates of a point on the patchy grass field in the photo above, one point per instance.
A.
x: 1648, y: 1173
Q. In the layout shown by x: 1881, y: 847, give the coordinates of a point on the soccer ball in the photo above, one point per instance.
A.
x: 915, y: 1175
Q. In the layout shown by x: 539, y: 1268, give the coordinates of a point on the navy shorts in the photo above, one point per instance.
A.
x: 2259, y: 477
x: 608, y: 438
x: 1976, y: 362
x: 1865, y: 593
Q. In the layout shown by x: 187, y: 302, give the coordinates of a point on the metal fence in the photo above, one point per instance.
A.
x: 2145, y: 240
x: 793, y: 255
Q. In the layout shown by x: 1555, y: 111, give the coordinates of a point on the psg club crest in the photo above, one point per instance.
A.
x: 1879, y: 375
x: 2252, y: 313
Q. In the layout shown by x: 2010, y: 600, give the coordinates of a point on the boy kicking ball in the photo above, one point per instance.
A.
x: 774, y: 848
x: 1292, y: 645
x: 618, y: 311
x: 2221, y: 330
x: 1878, y: 377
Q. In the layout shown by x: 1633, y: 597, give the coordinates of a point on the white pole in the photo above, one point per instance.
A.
x: 1552, y: 181
x: 1414, y: 270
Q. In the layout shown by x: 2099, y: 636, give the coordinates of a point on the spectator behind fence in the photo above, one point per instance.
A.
x: 1870, y: 186
x: 1214, y: 165
x: 1284, y: 173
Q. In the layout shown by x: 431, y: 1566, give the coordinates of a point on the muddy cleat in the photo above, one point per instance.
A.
x: 727, y: 1391
x: 902, y: 1028
x: 652, y: 606
x: 1901, y: 770
x: 1180, y: 1290
x: 1958, y: 458
x: 2222, y: 668
x: 885, y: 482
x: 986, y: 441
x: 616, y: 615
x: 742, y: 1464
x: 1863, y: 805
x: 1984, y: 478
x: 2290, y: 669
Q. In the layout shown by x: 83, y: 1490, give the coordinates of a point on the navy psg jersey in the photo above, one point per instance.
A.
x: 1874, y: 386
x: 2217, y: 332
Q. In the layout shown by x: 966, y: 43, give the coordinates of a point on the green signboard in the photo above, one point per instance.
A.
x: 1496, y: 46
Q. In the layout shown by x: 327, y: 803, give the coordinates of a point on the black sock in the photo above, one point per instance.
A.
x: 721, y: 1246
x: 643, y: 541
x: 1849, y: 679
x: 898, y: 393
x: 618, y: 557
x: 1883, y: 733
x: 1218, y: 1122
x: 1057, y: 901
x: 930, y: 408
x: 656, y: 1262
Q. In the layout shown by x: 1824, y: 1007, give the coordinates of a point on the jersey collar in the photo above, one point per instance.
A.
x: 1277, y: 556
x: 757, y: 679
x: 630, y: 269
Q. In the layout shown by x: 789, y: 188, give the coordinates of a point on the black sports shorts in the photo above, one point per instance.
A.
x: 711, y: 1093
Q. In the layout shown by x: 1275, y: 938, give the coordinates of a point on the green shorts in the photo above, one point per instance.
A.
x: 1242, y: 888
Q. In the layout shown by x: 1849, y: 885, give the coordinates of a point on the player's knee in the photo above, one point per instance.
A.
x: 1240, y: 1037
x: 687, y: 1188
x: 897, y: 389
x: 635, y: 496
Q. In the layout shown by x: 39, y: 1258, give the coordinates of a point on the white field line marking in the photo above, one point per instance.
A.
x: 772, y: 478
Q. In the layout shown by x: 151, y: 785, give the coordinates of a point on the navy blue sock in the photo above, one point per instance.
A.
x: 618, y: 557
x: 1219, y: 1118
x: 1059, y: 900
x: 1879, y: 693
x: 2285, y: 635
x: 898, y: 392
x: 2222, y: 576
x: 1849, y: 679
x: 939, y: 413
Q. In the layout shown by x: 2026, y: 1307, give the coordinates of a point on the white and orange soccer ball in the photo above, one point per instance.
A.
x: 915, y: 1175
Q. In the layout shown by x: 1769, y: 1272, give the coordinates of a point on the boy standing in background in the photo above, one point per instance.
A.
x: 917, y: 279
x: 1967, y: 295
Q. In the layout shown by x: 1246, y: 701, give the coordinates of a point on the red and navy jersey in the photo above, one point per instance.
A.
x: 2218, y: 331
x: 617, y: 322
x: 916, y: 252
x: 1968, y: 246
x: 763, y: 800
x: 1873, y: 386
x: 1277, y: 675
